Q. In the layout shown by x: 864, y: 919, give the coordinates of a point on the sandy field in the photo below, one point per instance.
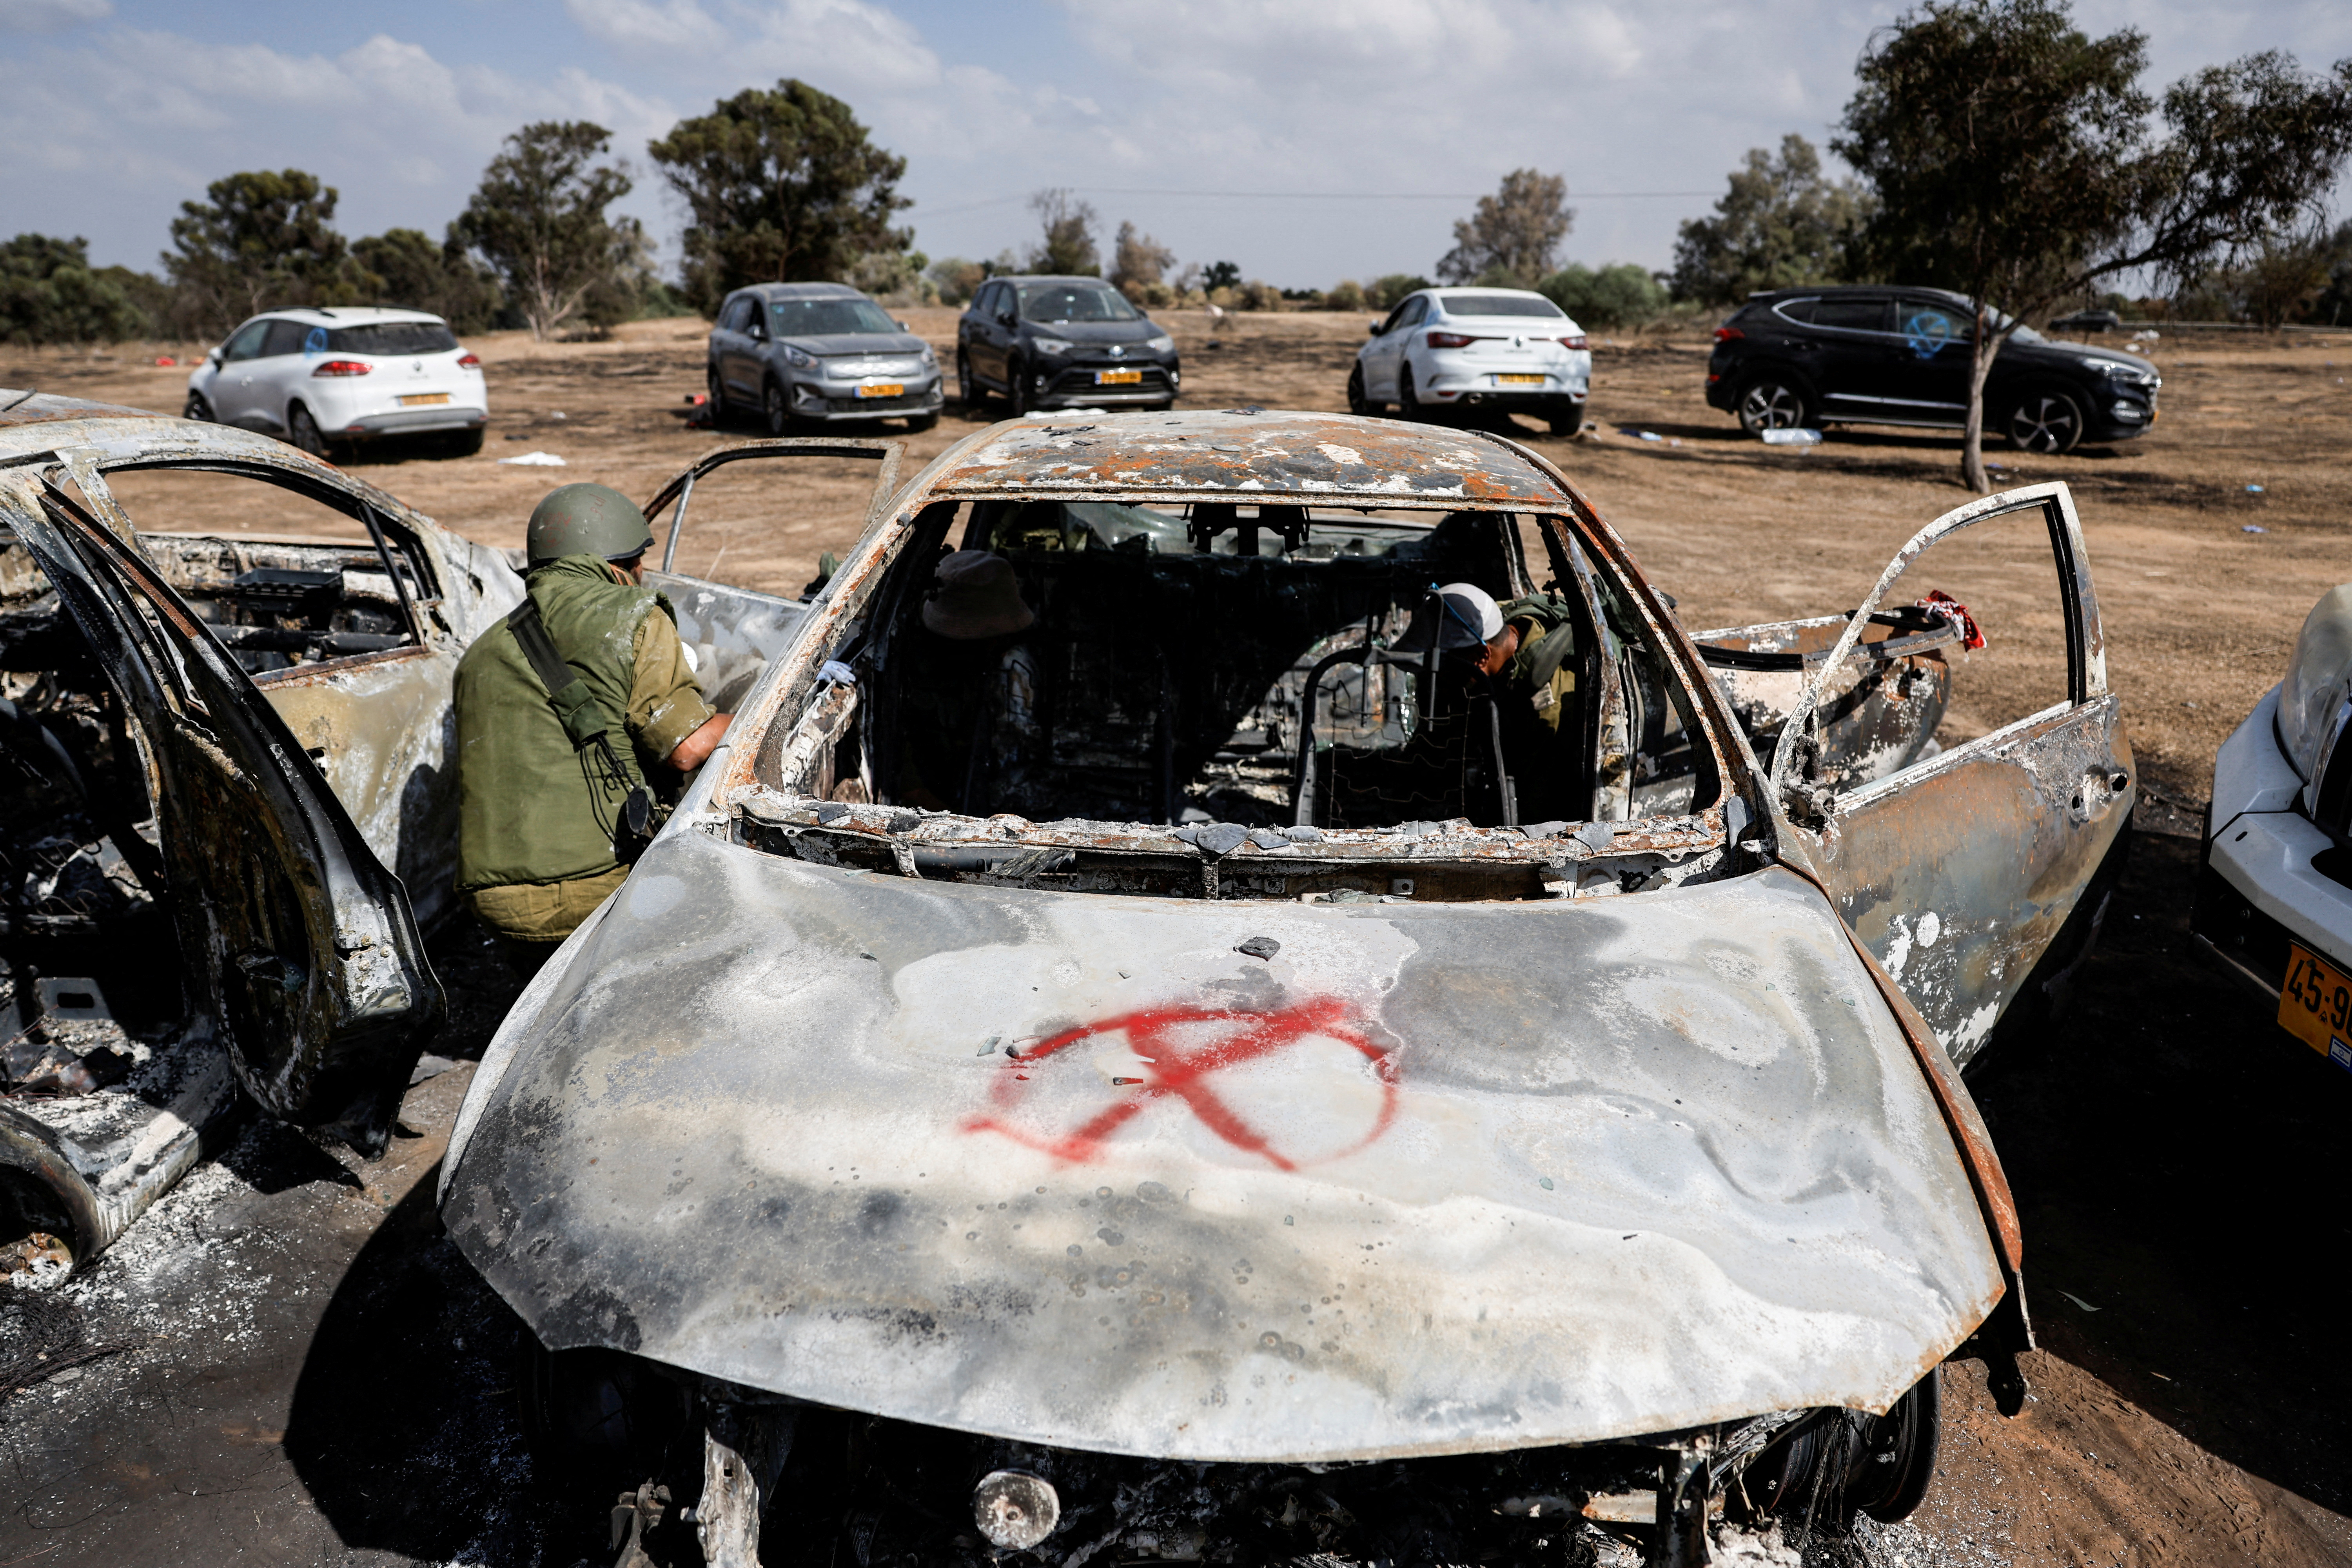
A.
x: 2176, y: 1159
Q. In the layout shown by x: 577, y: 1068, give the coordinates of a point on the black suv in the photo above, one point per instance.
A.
x: 1900, y: 356
x: 1062, y: 343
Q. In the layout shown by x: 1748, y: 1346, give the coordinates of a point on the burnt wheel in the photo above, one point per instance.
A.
x: 1820, y: 1473
x: 2049, y: 422
x: 1773, y: 403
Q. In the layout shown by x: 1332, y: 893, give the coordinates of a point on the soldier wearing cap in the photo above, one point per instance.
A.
x: 1522, y: 654
x: 545, y: 779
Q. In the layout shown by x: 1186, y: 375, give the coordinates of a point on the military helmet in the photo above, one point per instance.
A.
x: 587, y: 520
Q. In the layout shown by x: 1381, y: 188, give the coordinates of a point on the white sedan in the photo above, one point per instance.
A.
x: 322, y: 378
x: 2274, y: 900
x: 1497, y: 350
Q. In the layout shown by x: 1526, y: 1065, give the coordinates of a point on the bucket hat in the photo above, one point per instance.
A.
x: 976, y: 597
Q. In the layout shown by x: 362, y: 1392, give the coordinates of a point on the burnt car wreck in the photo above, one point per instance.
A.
x: 233, y: 802
x: 1152, y: 1086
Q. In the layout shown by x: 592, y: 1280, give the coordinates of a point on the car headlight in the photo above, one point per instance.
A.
x: 1051, y: 345
x: 800, y: 357
x: 931, y: 360
x: 1162, y: 344
x: 2318, y: 674
x: 2116, y: 370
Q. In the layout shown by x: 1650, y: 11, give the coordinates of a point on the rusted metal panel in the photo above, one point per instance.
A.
x: 1425, y: 1179
x: 1331, y: 458
x: 1878, y: 714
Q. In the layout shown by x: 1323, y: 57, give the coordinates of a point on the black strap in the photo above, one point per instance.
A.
x: 583, y: 716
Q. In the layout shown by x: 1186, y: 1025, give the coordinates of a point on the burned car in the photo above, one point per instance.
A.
x: 1146, y: 1084
x: 232, y: 797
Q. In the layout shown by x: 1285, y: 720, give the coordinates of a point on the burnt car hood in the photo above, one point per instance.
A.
x: 1421, y: 1179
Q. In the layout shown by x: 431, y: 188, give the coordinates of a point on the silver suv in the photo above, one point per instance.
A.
x: 807, y: 354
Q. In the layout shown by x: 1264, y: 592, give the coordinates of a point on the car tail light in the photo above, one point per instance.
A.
x: 470, y: 362
x: 1451, y: 339
x: 1726, y: 334
x: 1576, y: 340
x: 344, y: 367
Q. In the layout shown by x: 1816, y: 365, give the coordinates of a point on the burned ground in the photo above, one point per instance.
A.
x: 321, y: 1378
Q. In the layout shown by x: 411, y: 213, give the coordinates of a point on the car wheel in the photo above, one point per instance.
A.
x: 1566, y: 418
x: 1408, y: 401
x: 302, y: 431
x: 778, y: 412
x: 197, y: 408
x: 1016, y: 377
x: 2048, y: 422
x: 1357, y: 402
x: 1771, y: 403
x: 716, y: 397
x: 969, y: 392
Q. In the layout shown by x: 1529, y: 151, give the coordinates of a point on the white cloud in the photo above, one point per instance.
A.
x: 51, y: 16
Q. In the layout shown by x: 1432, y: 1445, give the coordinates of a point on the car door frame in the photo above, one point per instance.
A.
x: 323, y: 1038
x: 233, y: 394
x: 1972, y: 873
x: 1384, y: 355
x: 1943, y: 368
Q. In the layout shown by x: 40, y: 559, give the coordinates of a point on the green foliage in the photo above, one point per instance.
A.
x: 782, y: 187
x: 1386, y: 291
x: 2012, y: 160
x: 1067, y: 249
x: 1781, y: 224
x: 1616, y: 296
x: 49, y: 293
x: 1514, y: 234
x: 2334, y: 305
x: 1258, y: 295
x: 261, y: 241
x: 538, y: 220
x: 1346, y: 295
x: 1139, y: 262
x: 1220, y: 275
x: 413, y: 273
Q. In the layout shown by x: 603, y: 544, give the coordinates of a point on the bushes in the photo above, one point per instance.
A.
x: 1386, y: 291
x: 49, y: 293
x: 1614, y: 297
x: 1347, y: 296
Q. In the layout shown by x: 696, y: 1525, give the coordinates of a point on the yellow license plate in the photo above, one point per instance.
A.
x: 2315, y: 1005
x: 1519, y: 381
x: 419, y: 399
x: 1118, y: 377
x: 883, y: 389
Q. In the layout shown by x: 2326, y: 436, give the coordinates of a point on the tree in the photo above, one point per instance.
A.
x: 1780, y: 224
x: 412, y: 271
x: 1624, y: 295
x: 1391, y: 288
x: 49, y: 293
x: 2333, y: 306
x: 538, y: 219
x: 956, y: 278
x: 2013, y: 161
x: 782, y: 187
x: 262, y: 241
x: 1067, y: 249
x: 1220, y: 275
x: 1138, y: 261
x: 1513, y: 236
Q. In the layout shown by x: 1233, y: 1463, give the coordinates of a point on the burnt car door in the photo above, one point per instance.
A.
x: 1976, y: 873
x: 732, y: 631
x: 311, y: 970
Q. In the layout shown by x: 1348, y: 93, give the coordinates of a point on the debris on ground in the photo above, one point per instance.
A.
x: 41, y: 1336
x: 534, y: 460
x: 1793, y: 437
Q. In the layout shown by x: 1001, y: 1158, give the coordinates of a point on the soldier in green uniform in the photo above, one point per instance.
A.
x: 574, y: 715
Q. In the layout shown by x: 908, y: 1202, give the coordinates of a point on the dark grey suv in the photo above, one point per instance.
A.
x: 1062, y: 343
x: 1900, y: 356
x: 806, y: 353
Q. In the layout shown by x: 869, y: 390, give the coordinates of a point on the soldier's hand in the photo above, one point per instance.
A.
x: 695, y: 749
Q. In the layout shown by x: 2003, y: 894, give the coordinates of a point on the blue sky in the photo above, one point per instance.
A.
x: 1394, y: 113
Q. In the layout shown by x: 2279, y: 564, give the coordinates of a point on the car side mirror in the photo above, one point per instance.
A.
x: 1373, y: 330
x: 904, y: 328
x: 214, y: 357
x: 1003, y: 318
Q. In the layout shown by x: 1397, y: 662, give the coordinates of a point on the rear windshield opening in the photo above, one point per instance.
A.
x: 384, y: 338
x: 1250, y: 667
x: 1500, y: 305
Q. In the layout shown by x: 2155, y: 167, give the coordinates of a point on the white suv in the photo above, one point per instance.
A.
x: 334, y: 377
x: 1494, y: 350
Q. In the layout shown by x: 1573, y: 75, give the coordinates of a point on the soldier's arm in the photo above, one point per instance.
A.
x: 668, y: 714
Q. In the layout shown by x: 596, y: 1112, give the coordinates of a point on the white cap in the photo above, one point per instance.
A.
x: 1471, y: 616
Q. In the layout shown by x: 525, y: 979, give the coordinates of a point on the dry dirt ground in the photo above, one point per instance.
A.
x: 322, y: 1380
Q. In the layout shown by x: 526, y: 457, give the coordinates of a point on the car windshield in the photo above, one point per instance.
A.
x: 1499, y: 305
x: 1074, y: 302
x: 827, y: 318
x: 384, y: 338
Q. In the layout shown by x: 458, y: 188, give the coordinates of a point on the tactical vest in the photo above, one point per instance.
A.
x: 531, y: 807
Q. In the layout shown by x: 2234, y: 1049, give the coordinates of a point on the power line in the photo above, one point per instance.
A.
x: 1306, y: 195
